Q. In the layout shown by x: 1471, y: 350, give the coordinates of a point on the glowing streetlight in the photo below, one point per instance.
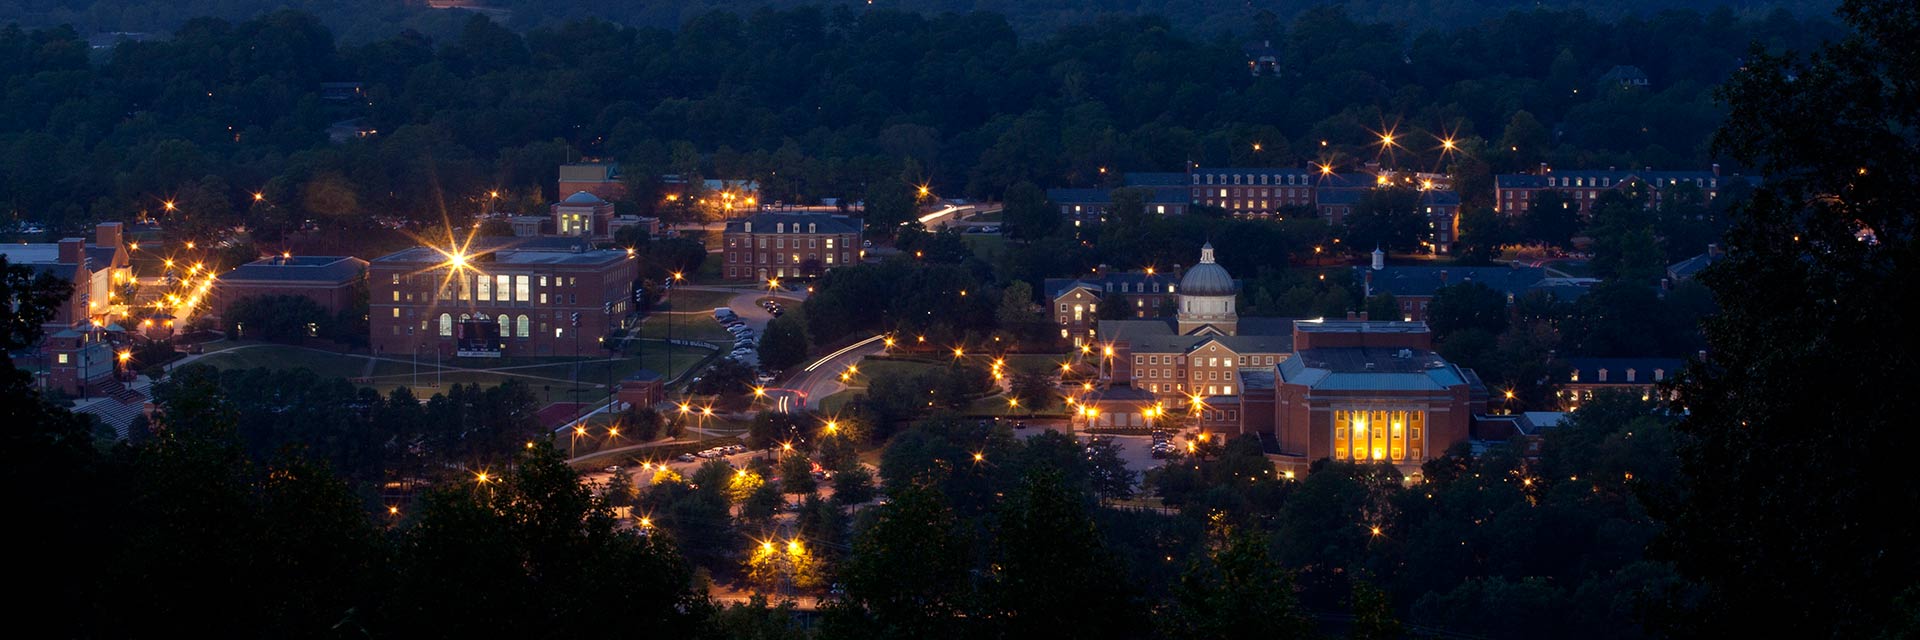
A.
x: 393, y: 510
x: 258, y: 196
x: 168, y: 204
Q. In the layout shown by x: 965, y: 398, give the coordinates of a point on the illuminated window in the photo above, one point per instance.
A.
x: 522, y: 287
x: 484, y: 288
x: 446, y: 325
x: 521, y: 328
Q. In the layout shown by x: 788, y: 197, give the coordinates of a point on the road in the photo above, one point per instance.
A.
x: 821, y: 378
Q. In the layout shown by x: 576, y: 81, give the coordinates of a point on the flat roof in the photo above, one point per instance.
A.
x: 511, y: 257
x: 298, y: 269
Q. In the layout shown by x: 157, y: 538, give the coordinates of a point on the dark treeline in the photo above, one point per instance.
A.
x: 364, y: 20
x: 818, y: 103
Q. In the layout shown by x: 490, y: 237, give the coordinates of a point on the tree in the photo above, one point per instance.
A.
x: 1383, y: 306
x: 32, y: 299
x: 1056, y: 576
x: 1027, y: 215
x: 619, y: 490
x: 1482, y: 233
x: 1387, y: 217
x: 796, y: 474
x: 1466, y: 305
x: 1035, y: 390
x: 1524, y: 141
x: 278, y: 318
x: 1373, y: 617
x: 853, y: 486
x: 908, y: 575
x: 1810, y: 332
x: 785, y: 342
x: 1238, y: 591
x: 727, y: 377
x: 890, y: 204
x: 1552, y: 220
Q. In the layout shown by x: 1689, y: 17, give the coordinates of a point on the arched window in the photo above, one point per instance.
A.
x: 505, y: 329
x: 446, y: 325
x: 521, y: 331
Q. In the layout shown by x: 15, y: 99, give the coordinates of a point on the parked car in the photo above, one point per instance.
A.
x: 685, y: 457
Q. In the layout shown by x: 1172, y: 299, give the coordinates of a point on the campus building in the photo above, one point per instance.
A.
x: 1589, y: 377
x: 1515, y: 193
x: 100, y: 270
x: 1413, y: 287
x: 1074, y: 303
x: 582, y: 215
x: 1362, y: 391
x: 601, y: 179
x: 500, y: 297
x: 787, y: 245
x: 1197, y: 351
x: 329, y: 281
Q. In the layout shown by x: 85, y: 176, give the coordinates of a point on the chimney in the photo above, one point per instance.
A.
x: 1351, y: 315
x: 73, y: 250
x: 1363, y: 315
x: 1544, y: 169
x: 107, y: 234
x: 1714, y: 250
x: 1716, y: 169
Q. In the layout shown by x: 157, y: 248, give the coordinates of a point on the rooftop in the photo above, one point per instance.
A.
x: 822, y: 223
x: 516, y: 255
x: 1425, y: 280
x: 332, y: 269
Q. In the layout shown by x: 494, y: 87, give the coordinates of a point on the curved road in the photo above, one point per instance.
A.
x: 821, y: 378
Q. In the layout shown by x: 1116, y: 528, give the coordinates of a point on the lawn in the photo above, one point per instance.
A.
x: 987, y: 246
x: 274, y: 356
x: 686, y: 326
x: 833, y: 403
x: 691, y: 300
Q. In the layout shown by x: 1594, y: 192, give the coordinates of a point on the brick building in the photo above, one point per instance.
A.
x: 330, y: 281
x: 601, y: 179
x: 1362, y: 391
x: 1075, y: 302
x: 1515, y: 193
x: 99, y: 270
x: 1636, y: 376
x: 787, y: 245
x: 1197, y: 351
x: 523, y: 297
x: 583, y: 215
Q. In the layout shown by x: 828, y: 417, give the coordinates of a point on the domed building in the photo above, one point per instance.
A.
x: 1206, y: 298
x: 582, y: 214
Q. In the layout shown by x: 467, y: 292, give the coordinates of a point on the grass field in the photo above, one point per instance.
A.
x: 686, y: 326
x: 688, y: 300
x: 986, y: 246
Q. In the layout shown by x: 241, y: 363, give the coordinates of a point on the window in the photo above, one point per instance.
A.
x: 63, y: 358
x: 543, y: 281
x: 829, y: 243
x: 446, y: 325
x: 396, y: 312
x: 521, y: 329
x: 485, y: 287
x: 522, y: 288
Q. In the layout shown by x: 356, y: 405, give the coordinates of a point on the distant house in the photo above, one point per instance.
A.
x: 1624, y: 76
x: 346, y: 130
x: 1262, y: 58
x: 1690, y: 268
x: 342, y: 91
